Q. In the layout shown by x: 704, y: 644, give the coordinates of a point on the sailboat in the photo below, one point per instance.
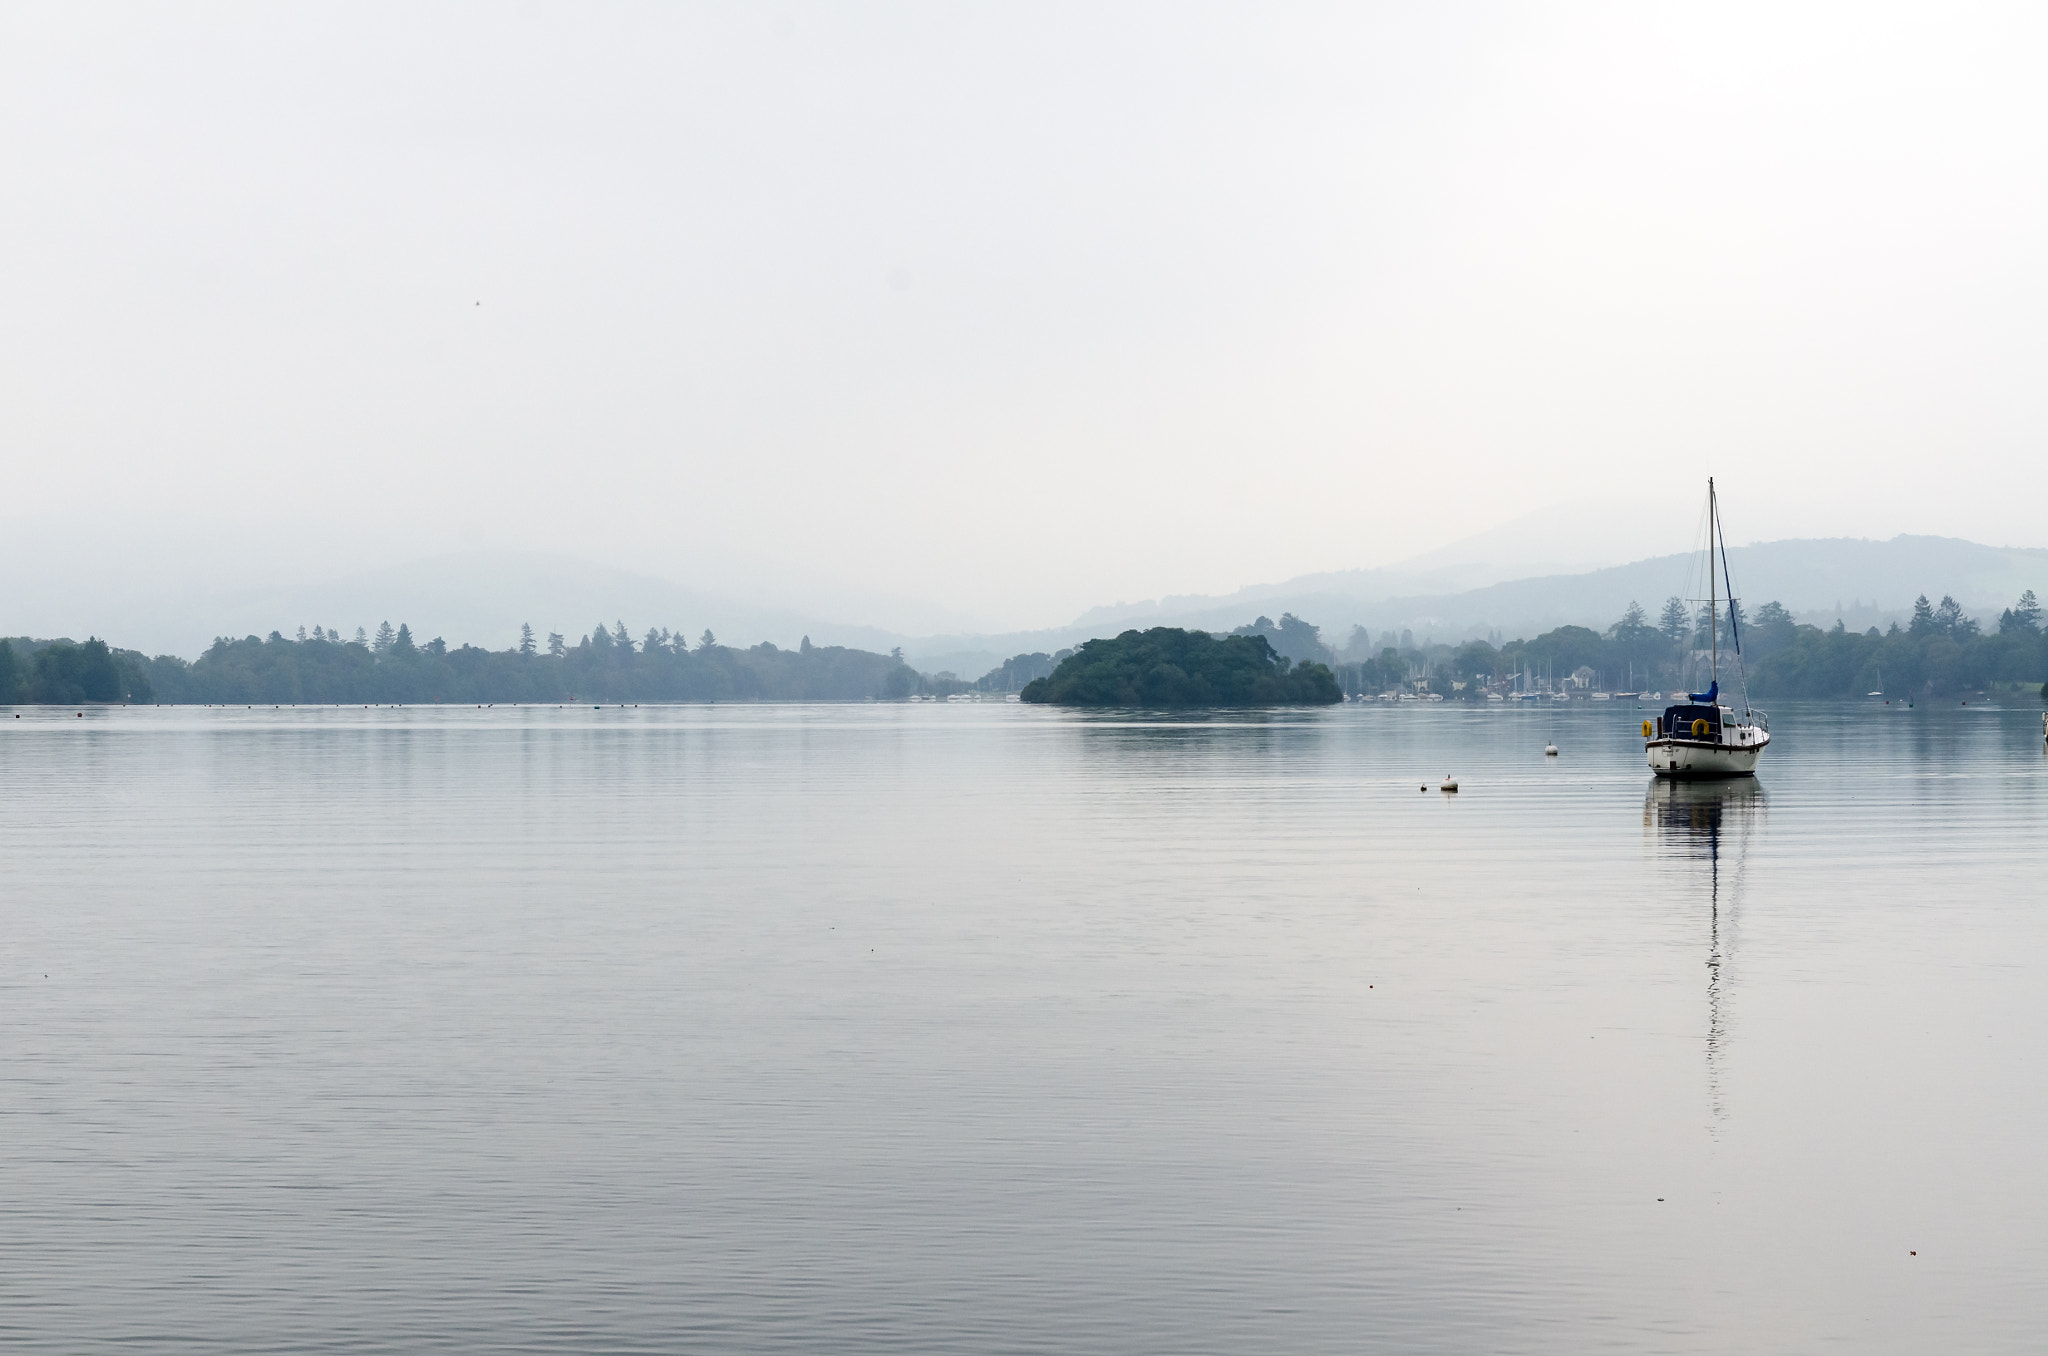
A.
x: 1700, y: 737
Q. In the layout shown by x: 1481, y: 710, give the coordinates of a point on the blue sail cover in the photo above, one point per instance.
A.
x: 1713, y: 691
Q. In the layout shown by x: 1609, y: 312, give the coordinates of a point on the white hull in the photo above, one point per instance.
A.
x: 1694, y: 758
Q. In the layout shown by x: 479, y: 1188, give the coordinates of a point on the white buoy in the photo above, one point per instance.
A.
x: 1450, y: 783
x: 1550, y: 750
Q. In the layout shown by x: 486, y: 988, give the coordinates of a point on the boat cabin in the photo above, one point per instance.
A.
x: 1677, y: 721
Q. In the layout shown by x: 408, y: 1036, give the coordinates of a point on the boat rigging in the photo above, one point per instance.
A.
x: 1701, y: 737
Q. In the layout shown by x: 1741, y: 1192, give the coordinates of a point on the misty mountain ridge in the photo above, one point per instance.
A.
x: 1575, y: 537
x: 1811, y: 576
x: 170, y: 586
x: 1861, y: 581
x: 483, y: 596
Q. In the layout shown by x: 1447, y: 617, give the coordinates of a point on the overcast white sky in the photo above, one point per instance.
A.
x: 1020, y: 308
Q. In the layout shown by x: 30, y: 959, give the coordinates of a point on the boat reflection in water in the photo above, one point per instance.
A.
x: 1702, y: 831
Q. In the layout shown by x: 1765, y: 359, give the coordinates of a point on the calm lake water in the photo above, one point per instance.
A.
x: 992, y: 1029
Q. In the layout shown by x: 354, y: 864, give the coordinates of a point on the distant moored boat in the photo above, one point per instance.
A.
x: 1699, y: 737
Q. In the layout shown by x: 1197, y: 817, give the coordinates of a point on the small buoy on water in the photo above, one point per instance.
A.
x: 1450, y: 783
x: 1550, y: 750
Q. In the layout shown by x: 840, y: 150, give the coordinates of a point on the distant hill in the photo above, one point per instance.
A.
x: 478, y: 597
x: 1876, y: 581
x: 1810, y: 576
x: 482, y: 597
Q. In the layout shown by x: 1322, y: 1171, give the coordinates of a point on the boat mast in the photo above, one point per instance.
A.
x: 1713, y: 610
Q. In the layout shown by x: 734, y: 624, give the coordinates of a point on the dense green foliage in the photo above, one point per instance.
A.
x: 1167, y: 666
x: 607, y: 666
x: 1942, y: 653
x: 64, y: 673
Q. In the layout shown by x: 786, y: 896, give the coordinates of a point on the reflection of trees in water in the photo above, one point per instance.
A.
x: 1705, y: 827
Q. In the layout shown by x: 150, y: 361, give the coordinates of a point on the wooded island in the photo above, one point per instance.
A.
x: 1167, y: 666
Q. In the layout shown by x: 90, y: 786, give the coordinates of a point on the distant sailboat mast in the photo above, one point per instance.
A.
x: 1698, y: 736
x: 1713, y: 612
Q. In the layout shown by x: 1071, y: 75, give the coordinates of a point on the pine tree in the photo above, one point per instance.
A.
x: 526, y: 638
x: 361, y: 639
x: 1923, y: 617
x: 401, y: 644
x: 385, y: 635
x: 707, y: 640
x: 600, y: 639
x: 557, y: 647
x: 1948, y: 615
x: 1672, y: 623
x: 302, y: 635
x: 2027, y: 616
x: 653, y: 641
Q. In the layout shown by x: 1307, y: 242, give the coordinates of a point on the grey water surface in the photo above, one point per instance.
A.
x: 983, y: 1028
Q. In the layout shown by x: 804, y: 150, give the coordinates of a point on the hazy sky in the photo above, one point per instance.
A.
x: 1020, y: 308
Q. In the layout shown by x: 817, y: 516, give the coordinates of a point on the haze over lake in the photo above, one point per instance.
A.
x: 981, y: 1028
x: 519, y: 523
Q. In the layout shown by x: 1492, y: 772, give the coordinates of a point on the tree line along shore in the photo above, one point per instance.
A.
x: 323, y: 668
x: 1939, y: 652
